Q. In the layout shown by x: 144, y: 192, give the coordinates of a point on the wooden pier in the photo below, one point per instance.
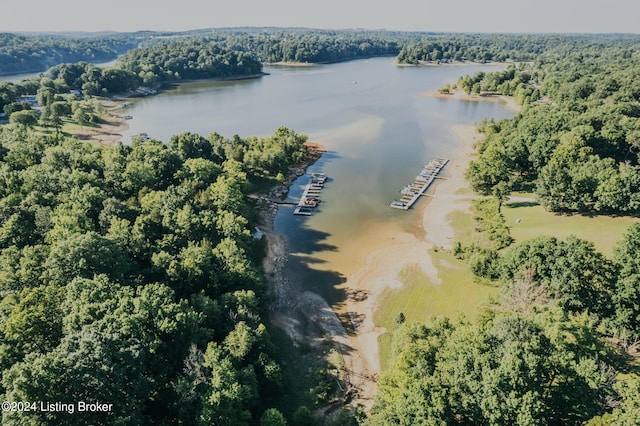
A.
x: 311, y: 195
x: 419, y: 186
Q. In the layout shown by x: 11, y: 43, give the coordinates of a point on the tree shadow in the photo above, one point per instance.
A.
x: 352, y: 321
x: 515, y: 205
x: 358, y: 295
x: 304, y: 271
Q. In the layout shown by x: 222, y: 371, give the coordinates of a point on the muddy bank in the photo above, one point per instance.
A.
x: 304, y: 315
x: 277, y: 255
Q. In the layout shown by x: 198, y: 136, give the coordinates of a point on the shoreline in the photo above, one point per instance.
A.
x: 313, y: 64
x: 197, y: 80
x: 275, y: 260
x: 291, y: 64
x: 305, y: 316
x: 460, y: 95
x: 383, y: 266
x: 110, y: 131
x: 451, y: 64
x: 276, y: 194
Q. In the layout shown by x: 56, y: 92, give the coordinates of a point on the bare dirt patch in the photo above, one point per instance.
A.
x: 108, y: 132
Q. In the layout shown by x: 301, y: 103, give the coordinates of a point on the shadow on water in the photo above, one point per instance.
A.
x: 304, y: 274
x: 319, y: 166
x: 305, y: 269
x: 168, y: 87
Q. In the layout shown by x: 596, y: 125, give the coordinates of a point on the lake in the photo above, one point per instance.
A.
x: 373, y: 118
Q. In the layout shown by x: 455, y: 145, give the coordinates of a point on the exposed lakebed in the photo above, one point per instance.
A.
x: 378, y: 129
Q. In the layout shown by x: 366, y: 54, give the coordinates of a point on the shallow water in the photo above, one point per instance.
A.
x: 379, y: 130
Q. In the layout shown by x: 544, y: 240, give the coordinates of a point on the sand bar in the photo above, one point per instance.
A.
x: 461, y: 95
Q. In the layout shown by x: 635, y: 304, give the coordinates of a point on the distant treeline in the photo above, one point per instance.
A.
x: 315, y: 46
x: 22, y: 54
x: 188, y: 59
x: 37, y: 53
x: 478, y: 47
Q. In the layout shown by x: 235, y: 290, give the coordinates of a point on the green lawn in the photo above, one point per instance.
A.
x: 459, y: 293
x: 420, y: 299
x: 527, y: 220
x: 463, y: 226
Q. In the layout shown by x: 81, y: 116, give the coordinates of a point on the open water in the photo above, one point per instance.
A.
x: 373, y: 118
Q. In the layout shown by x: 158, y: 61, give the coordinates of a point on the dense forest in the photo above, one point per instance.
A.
x: 22, y: 54
x: 477, y: 48
x: 577, y: 141
x: 128, y: 275
x: 315, y: 46
x: 188, y: 60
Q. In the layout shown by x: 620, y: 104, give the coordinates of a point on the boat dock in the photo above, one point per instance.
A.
x: 311, y: 195
x: 419, y: 186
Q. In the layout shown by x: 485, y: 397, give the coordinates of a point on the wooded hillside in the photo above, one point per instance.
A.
x: 128, y: 276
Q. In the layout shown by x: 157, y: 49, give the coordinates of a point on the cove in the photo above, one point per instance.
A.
x: 376, y: 124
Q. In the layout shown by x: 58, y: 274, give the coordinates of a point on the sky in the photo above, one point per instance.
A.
x: 511, y: 16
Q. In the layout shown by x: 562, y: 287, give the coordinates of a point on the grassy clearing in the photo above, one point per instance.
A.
x: 385, y: 342
x: 420, y: 299
x: 459, y: 293
x: 464, y: 225
x: 529, y: 220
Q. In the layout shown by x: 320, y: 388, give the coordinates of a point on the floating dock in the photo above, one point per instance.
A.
x: 419, y: 186
x: 311, y: 195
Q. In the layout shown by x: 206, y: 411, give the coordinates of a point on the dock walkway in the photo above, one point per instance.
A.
x: 311, y: 195
x: 419, y: 186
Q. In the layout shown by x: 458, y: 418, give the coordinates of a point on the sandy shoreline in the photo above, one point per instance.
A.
x: 383, y: 266
x: 460, y: 95
x: 366, y: 286
x: 109, y: 131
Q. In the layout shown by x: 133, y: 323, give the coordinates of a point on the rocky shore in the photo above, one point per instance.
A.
x: 275, y: 261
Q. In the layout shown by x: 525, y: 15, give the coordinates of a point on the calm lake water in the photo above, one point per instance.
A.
x: 376, y: 123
